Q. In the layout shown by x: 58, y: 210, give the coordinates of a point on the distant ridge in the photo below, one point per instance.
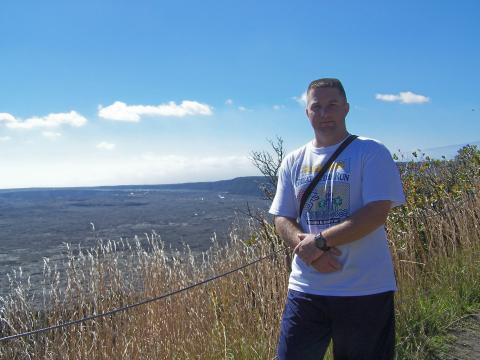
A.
x: 247, y: 185
x: 449, y: 151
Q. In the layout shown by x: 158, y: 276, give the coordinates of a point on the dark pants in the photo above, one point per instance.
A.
x: 361, y: 327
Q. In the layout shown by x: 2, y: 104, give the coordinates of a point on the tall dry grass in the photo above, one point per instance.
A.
x: 221, y: 319
x: 435, y: 249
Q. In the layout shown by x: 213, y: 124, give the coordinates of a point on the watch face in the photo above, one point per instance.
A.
x: 320, y: 241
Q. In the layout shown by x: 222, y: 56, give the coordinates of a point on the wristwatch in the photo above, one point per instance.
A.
x: 321, y: 242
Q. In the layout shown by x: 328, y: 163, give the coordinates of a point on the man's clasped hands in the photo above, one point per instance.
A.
x: 322, y: 261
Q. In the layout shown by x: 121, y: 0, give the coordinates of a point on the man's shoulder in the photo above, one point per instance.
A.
x: 295, y: 155
x: 366, y: 141
x: 366, y: 144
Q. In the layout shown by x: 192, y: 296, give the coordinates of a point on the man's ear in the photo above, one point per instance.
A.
x: 347, y: 108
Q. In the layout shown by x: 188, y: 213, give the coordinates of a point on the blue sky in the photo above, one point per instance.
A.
x: 144, y: 92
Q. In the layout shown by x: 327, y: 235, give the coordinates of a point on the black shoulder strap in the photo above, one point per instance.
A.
x: 322, y: 171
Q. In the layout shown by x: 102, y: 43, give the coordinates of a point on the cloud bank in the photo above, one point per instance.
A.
x: 53, y: 120
x: 51, y: 135
x: 119, y: 111
x: 105, y: 146
x: 406, y: 97
x: 148, y: 168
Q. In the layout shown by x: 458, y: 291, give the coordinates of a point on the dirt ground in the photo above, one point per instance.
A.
x: 465, y: 341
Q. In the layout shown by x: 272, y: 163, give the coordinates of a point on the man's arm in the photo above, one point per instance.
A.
x: 361, y: 223
x: 288, y: 229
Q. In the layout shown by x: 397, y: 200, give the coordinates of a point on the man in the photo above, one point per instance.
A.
x: 342, y: 280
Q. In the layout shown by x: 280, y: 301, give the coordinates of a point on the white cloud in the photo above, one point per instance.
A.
x: 51, y: 134
x: 105, y: 146
x: 120, y: 111
x: 405, y: 97
x: 53, y: 120
x: 6, y: 117
x: 278, y: 107
x: 5, y: 138
x: 229, y: 102
x: 243, y: 108
x: 302, y: 99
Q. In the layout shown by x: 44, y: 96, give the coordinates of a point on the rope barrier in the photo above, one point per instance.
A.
x: 130, y: 306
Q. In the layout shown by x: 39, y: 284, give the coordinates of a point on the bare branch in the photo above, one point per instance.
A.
x: 268, y: 164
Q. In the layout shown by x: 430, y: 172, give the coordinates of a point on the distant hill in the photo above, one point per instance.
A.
x: 449, y: 151
x: 248, y: 185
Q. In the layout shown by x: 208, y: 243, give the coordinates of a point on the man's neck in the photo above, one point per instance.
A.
x: 324, y: 141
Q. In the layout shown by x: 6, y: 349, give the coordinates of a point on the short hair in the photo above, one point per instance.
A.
x: 327, y: 83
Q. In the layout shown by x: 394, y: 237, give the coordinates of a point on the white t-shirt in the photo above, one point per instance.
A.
x: 362, y: 173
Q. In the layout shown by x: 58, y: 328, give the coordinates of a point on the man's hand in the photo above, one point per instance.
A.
x: 306, y: 249
x: 310, y: 253
x: 327, y: 262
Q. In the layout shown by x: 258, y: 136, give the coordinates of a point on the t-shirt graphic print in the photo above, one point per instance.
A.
x: 329, y: 202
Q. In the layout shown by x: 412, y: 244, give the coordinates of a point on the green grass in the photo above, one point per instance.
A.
x: 445, y: 291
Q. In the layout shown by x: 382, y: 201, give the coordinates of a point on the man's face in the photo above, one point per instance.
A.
x: 326, y: 110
